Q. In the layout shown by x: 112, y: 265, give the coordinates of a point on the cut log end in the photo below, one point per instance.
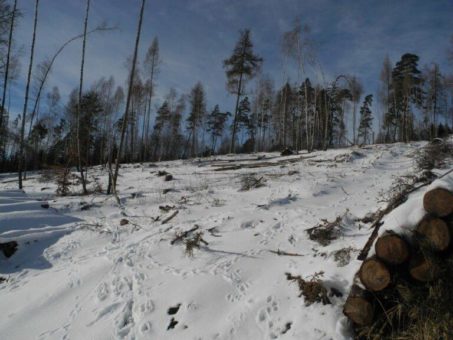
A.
x: 359, y: 310
x: 438, y: 202
x: 374, y: 275
x: 392, y: 249
x: 424, y: 270
x: 436, y: 232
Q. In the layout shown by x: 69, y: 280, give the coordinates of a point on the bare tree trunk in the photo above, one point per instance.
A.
x: 129, y: 92
x: 354, y: 109
x: 238, y: 96
x: 306, y: 117
x: 327, y: 118
x: 148, y: 114
x: 8, y: 57
x: 79, y: 102
x: 27, y: 90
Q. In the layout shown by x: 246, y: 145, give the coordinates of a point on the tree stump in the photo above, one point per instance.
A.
x: 374, y: 275
x: 436, y: 232
x: 392, y: 249
x: 438, y: 202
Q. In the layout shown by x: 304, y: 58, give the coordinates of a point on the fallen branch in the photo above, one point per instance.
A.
x: 166, y: 220
x: 183, y: 235
x: 284, y: 253
x: 261, y: 164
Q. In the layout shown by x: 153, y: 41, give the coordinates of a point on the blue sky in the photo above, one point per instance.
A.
x: 352, y: 37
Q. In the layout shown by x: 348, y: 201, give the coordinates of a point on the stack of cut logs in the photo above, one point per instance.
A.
x: 397, y: 256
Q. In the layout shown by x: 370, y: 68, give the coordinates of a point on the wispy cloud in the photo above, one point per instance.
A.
x: 352, y: 37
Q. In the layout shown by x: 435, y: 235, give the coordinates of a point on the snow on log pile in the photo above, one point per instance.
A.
x: 412, y: 255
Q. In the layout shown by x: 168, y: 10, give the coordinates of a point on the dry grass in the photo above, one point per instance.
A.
x: 326, y: 232
x: 249, y: 182
x: 63, y: 182
x: 312, y: 290
x: 194, y: 243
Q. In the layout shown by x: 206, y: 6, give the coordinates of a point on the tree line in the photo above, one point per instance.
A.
x: 107, y: 124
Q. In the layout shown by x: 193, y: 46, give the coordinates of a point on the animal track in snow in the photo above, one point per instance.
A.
x: 265, y: 319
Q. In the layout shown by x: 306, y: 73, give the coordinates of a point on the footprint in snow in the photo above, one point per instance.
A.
x: 265, y: 319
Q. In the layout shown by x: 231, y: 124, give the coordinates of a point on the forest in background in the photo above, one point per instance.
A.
x: 105, y: 123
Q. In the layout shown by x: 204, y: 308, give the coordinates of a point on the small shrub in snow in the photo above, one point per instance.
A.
x: 326, y: 232
x: 312, y: 290
x: 194, y: 242
x: 63, y: 182
x: 434, y: 154
x: 249, y: 182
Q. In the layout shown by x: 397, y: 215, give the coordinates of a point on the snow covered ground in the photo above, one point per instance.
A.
x: 79, y: 274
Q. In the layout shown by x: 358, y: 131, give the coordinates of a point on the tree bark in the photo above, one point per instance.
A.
x: 8, y: 57
x: 128, y: 100
x: 238, y: 96
x: 27, y: 90
x: 79, y: 102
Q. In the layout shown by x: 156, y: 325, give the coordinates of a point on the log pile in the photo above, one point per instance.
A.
x: 411, y: 262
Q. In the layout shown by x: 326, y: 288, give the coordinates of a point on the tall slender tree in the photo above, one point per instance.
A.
x: 298, y: 46
x: 407, y: 91
x: 435, y: 96
x: 152, y: 62
x: 216, y: 125
x: 7, y: 66
x: 27, y: 90
x: 356, y: 89
x: 79, y: 102
x: 366, y: 120
x: 388, y: 120
x: 197, y: 114
x: 129, y: 93
x: 240, y: 67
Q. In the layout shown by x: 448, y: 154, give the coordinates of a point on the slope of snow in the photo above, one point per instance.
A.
x: 79, y: 274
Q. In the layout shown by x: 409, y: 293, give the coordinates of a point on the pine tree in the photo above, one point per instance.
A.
x: 151, y: 64
x: 366, y: 120
x: 85, y: 124
x: 162, y: 119
x: 407, y: 89
x: 216, y: 125
x: 263, y: 107
x: 241, y: 66
x: 175, y: 128
x: 197, y: 115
